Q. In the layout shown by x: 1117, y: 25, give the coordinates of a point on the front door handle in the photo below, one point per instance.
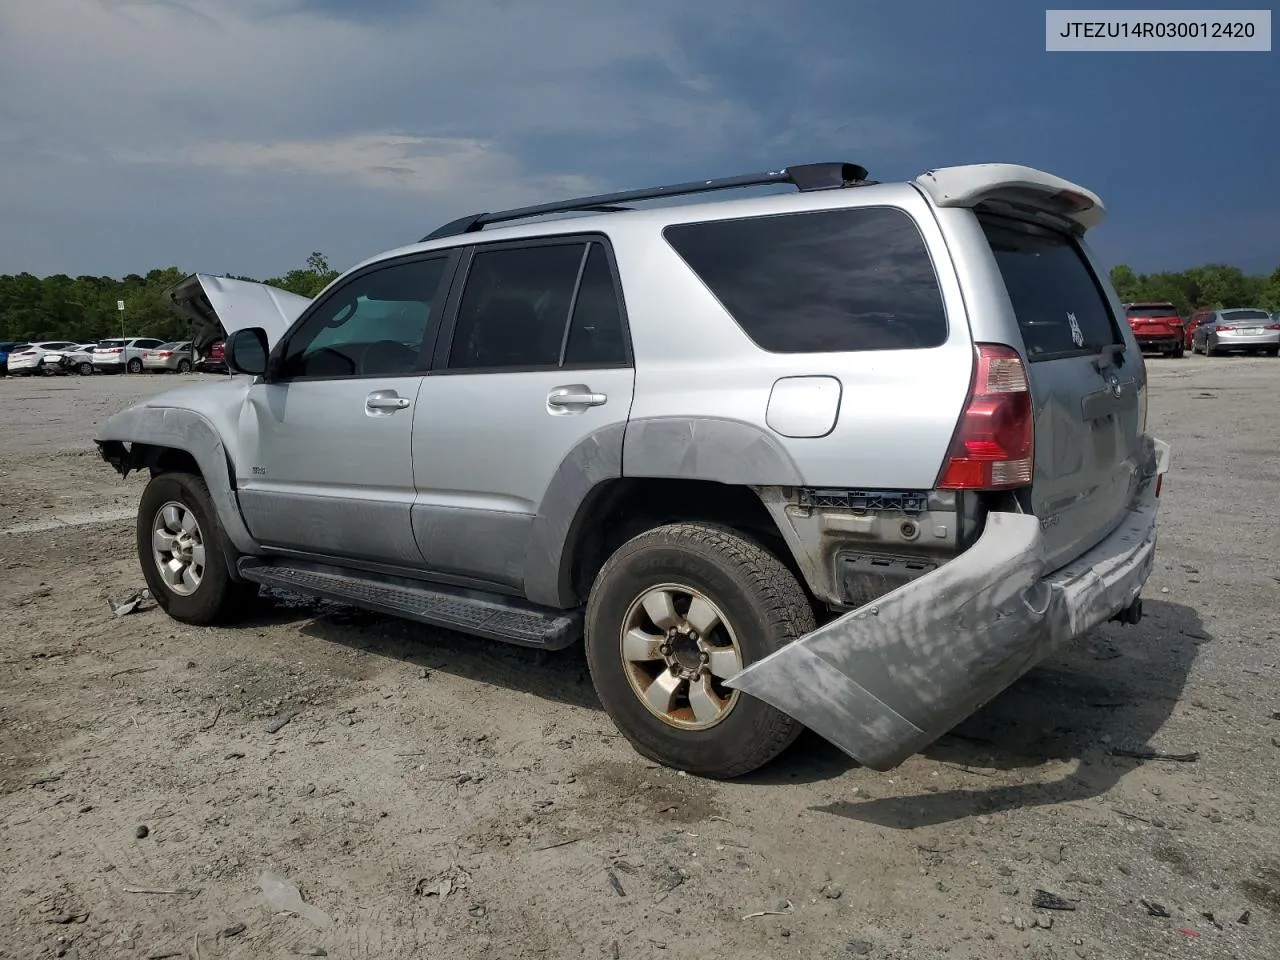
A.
x: 385, y: 401
x: 575, y: 396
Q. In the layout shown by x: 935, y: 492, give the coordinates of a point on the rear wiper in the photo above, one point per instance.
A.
x: 1106, y: 358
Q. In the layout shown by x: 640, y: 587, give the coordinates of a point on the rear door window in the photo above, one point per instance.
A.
x: 823, y: 282
x: 1059, y: 303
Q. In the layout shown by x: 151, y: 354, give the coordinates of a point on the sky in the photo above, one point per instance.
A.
x: 237, y: 136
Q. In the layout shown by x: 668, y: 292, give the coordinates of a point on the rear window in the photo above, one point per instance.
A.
x: 829, y: 281
x: 1168, y: 310
x: 111, y: 343
x: 1060, y: 307
x: 1237, y: 315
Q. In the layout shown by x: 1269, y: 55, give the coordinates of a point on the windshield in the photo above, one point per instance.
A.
x: 1237, y: 315
x: 1159, y: 310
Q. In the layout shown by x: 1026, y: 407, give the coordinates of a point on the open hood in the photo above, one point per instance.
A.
x: 219, y: 306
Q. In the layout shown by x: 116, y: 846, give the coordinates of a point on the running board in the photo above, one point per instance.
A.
x: 492, y: 616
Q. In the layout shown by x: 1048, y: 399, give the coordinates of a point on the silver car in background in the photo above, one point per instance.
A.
x: 173, y: 357
x: 1249, y: 329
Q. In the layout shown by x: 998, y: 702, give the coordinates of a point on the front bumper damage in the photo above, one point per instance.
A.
x: 887, y: 679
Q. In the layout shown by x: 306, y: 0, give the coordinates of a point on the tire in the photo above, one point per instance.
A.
x: 184, y: 366
x: 757, y: 597
x: 1273, y: 352
x: 1208, y: 350
x: 135, y: 365
x: 1177, y: 352
x: 215, y: 598
x: 85, y: 369
x: 46, y: 370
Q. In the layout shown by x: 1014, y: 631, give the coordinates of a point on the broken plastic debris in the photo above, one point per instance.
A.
x: 129, y: 603
x: 283, y: 895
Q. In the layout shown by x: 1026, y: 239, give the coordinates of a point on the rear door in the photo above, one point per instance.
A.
x: 537, y: 363
x: 1086, y: 377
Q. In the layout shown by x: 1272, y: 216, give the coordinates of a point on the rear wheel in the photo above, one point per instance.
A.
x: 1273, y: 352
x: 135, y: 365
x: 180, y: 548
x: 672, y: 614
x: 184, y: 366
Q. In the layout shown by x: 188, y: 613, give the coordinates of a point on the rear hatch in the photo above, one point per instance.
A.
x: 1155, y: 320
x: 1086, y: 388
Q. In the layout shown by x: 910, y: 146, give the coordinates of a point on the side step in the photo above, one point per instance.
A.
x: 468, y: 611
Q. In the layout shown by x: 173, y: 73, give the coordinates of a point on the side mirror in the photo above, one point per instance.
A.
x: 246, y: 351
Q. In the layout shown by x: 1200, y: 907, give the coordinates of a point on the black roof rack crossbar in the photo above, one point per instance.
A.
x: 805, y: 177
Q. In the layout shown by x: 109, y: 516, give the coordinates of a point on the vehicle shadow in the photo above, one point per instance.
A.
x: 1114, y: 689
x: 559, y: 676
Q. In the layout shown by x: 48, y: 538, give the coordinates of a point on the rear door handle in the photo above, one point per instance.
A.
x: 575, y: 397
x: 387, y: 401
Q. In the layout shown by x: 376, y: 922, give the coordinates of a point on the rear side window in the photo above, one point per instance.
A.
x: 830, y: 281
x: 1060, y: 307
x: 540, y: 306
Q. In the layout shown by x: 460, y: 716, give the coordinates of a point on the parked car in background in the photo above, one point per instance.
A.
x: 70, y: 359
x: 1189, y: 328
x: 214, y: 361
x: 79, y: 359
x: 122, y: 353
x: 1157, y: 326
x: 171, y: 357
x: 1244, y: 328
x: 29, y: 358
x: 5, y: 347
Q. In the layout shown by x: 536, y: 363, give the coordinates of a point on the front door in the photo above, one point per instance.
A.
x: 537, y: 371
x: 324, y: 465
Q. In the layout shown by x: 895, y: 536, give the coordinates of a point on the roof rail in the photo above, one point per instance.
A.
x: 804, y: 176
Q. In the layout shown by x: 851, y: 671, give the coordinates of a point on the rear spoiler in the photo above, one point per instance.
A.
x: 1013, y: 185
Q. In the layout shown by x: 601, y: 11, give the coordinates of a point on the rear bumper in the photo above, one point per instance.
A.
x: 1161, y: 341
x: 1269, y: 339
x: 886, y: 680
x: 20, y: 364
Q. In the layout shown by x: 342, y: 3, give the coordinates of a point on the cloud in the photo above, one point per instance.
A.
x: 297, y: 113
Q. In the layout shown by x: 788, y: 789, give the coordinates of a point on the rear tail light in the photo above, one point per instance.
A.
x: 994, y: 441
x: 1225, y: 327
x: 1272, y: 326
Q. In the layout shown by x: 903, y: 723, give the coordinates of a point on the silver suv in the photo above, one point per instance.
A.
x: 853, y: 457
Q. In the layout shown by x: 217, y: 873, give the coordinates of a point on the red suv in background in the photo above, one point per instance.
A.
x: 1157, y: 326
x: 215, y: 360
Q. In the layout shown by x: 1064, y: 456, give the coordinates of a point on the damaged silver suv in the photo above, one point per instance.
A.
x: 852, y: 457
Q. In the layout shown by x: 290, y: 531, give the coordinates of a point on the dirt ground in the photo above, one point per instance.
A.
x: 439, y: 796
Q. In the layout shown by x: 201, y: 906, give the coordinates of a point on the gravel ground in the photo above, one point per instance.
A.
x: 436, y: 795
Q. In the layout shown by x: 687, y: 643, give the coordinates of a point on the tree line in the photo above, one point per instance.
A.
x: 84, y: 308
x: 1214, y: 285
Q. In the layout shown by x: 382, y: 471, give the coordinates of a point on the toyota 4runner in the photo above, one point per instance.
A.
x: 853, y: 457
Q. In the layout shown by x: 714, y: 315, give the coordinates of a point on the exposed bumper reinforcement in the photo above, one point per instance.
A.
x: 887, y: 679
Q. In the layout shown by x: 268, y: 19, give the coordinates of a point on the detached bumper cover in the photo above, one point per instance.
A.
x: 886, y: 680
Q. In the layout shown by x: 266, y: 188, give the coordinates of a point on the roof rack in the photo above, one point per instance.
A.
x: 804, y: 176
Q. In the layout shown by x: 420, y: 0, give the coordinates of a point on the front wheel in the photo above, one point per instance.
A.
x: 180, y: 548
x: 86, y: 369
x: 674, y: 613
